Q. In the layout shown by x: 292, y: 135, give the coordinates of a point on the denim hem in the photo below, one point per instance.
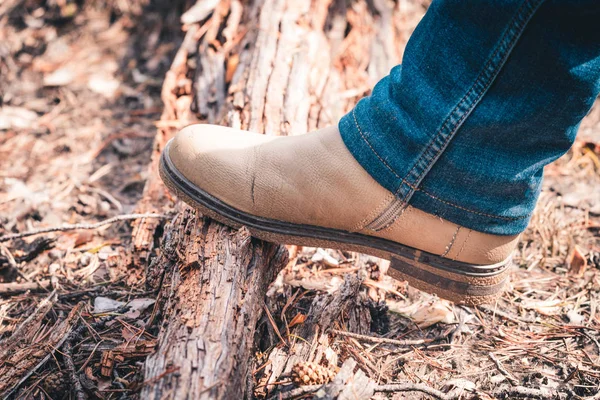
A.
x: 467, y: 104
x: 355, y: 139
x: 476, y: 220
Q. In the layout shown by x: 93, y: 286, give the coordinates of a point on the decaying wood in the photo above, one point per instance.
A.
x: 268, y: 67
x: 212, y: 292
x: 176, y: 114
x: 31, y: 346
x: 311, y: 341
x: 214, y: 279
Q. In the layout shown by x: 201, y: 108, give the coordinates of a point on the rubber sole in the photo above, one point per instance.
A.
x: 457, y: 281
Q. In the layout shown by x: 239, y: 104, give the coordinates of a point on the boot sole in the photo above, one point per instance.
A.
x: 456, y: 281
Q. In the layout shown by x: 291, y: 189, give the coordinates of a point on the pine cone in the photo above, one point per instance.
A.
x: 309, y: 373
x: 55, y: 383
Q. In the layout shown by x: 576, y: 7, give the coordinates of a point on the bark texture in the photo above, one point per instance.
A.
x: 212, y: 296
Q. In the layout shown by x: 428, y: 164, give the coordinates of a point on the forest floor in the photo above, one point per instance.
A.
x: 80, y: 101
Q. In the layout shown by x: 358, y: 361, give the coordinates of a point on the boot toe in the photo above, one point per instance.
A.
x: 217, y: 160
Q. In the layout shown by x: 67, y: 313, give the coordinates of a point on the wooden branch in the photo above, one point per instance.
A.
x: 13, y: 288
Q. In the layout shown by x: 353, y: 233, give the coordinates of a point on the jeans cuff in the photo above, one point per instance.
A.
x: 357, y: 133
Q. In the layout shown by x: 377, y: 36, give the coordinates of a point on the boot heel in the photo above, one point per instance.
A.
x: 460, y: 282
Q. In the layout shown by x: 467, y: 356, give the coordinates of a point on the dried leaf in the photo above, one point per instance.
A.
x: 577, y: 263
x: 60, y: 77
x: 298, y: 319
x: 425, y: 314
x: 544, y: 307
x: 575, y: 318
x: 199, y: 11
x: 324, y: 257
x: 136, y: 306
x: 16, y: 118
x: 104, y: 304
x: 232, y: 63
x: 104, y: 85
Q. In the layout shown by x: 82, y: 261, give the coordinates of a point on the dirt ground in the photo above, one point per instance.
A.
x: 80, y: 97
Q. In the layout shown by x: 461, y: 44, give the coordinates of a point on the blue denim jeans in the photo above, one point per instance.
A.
x: 489, y: 92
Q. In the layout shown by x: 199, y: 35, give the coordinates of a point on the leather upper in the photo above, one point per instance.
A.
x: 313, y: 179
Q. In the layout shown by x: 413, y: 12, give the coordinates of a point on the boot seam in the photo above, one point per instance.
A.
x: 374, y: 214
x: 451, y: 243
x: 464, y: 244
x: 390, y: 226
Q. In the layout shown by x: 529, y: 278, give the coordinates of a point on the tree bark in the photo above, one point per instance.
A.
x: 212, y: 296
x: 176, y: 96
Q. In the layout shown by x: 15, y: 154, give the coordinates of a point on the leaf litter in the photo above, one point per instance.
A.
x: 80, y: 97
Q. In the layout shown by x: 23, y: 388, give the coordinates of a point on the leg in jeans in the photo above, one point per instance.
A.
x: 439, y: 169
x: 489, y: 92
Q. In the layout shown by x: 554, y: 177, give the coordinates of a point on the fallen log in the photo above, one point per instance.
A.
x: 271, y: 66
x: 212, y: 294
x: 176, y: 97
x: 211, y: 279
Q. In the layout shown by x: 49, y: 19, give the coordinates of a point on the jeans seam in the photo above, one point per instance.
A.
x: 518, y: 23
x: 364, y: 138
x: 422, y: 190
x: 471, y: 211
x: 362, y: 135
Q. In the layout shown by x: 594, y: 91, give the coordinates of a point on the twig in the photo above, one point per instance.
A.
x: 38, y: 313
x: 272, y: 321
x: 525, y: 392
x: 73, y: 227
x: 119, y: 384
x: 374, y: 339
x: 415, y: 387
x: 67, y: 351
x: 505, y: 315
x: 301, y: 391
x: 77, y: 334
x: 593, y: 339
x: 15, y: 287
x: 511, y: 392
x: 400, y: 387
x: 513, y: 381
x: 594, y: 397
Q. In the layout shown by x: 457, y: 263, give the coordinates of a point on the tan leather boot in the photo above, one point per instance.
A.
x: 309, y: 190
